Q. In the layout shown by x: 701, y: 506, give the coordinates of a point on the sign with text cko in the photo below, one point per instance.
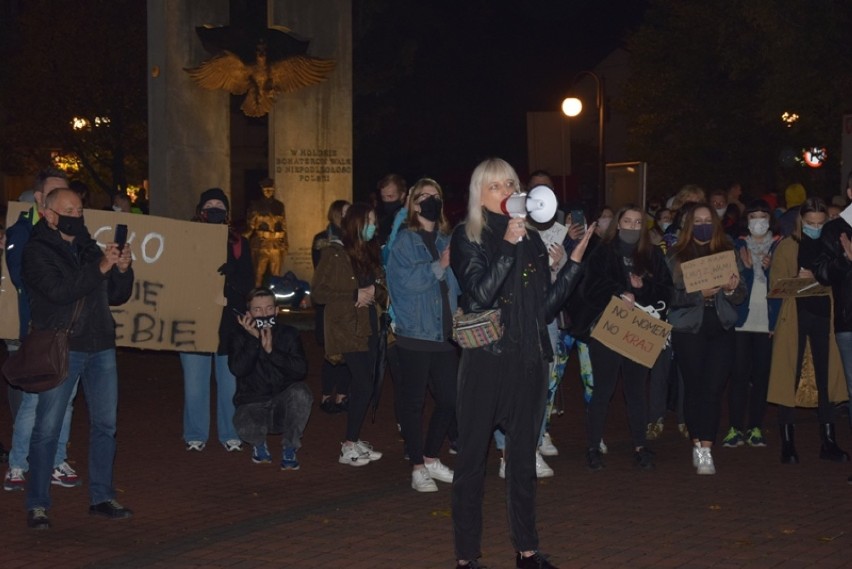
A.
x: 177, y: 295
x: 709, y: 271
x: 631, y: 332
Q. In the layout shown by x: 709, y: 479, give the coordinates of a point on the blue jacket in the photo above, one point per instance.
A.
x: 16, y: 237
x: 747, y: 275
x: 413, y: 280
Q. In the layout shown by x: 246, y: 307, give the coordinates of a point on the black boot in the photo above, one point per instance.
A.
x: 788, y: 444
x: 829, y: 449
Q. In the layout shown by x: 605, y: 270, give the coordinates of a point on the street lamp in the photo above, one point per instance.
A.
x: 572, y: 107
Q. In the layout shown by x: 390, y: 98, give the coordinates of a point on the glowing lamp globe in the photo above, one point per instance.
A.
x: 572, y: 107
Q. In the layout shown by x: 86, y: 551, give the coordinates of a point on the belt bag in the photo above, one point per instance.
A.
x: 41, y: 363
x: 477, y: 329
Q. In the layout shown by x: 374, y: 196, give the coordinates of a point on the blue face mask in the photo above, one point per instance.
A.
x: 702, y: 232
x: 368, y: 232
x: 811, y: 231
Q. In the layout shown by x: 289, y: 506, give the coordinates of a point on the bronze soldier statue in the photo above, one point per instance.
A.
x: 267, y: 232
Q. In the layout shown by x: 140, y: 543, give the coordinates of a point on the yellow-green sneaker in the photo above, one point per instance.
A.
x: 733, y: 439
x: 754, y: 438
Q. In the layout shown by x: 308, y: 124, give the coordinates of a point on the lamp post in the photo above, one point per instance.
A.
x: 573, y: 106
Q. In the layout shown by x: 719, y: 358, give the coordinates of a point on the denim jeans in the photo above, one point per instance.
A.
x: 196, y: 397
x: 286, y: 413
x: 97, y: 371
x: 24, y: 420
x: 844, y: 344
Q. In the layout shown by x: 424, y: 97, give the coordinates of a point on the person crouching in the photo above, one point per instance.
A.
x: 269, y: 363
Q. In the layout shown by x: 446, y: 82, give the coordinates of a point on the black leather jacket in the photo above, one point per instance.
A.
x: 833, y: 268
x: 57, y: 273
x: 482, y: 270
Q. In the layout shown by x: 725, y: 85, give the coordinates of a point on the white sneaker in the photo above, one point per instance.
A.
x: 366, y: 449
x: 349, y: 454
x: 603, y: 448
x: 695, y: 455
x: 14, y: 480
x: 502, y: 472
x: 233, y: 445
x: 197, y: 446
x: 546, y: 447
x: 542, y: 470
x: 422, y: 482
x: 439, y: 471
x: 705, y: 461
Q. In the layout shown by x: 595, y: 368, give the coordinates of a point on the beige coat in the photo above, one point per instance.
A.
x: 785, y: 341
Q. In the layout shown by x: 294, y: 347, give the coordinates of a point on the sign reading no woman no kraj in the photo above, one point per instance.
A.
x: 177, y: 292
x: 709, y: 272
x: 631, y: 332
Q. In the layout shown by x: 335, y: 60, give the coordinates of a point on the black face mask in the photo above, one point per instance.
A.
x: 264, y: 322
x: 214, y: 215
x: 430, y: 208
x: 389, y: 208
x: 71, y: 226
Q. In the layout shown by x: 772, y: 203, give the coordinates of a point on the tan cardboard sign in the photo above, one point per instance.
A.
x: 797, y: 287
x: 177, y: 291
x: 710, y: 271
x: 631, y: 332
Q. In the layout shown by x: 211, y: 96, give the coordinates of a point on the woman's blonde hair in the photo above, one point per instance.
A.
x: 690, y: 193
x: 487, y: 172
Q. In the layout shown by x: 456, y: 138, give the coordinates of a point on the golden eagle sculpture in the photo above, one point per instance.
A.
x: 259, y: 63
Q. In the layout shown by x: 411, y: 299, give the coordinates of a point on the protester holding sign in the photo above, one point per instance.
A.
x: 213, y: 207
x: 703, y: 335
x: 499, y: 264
x: 802, y: 319
x: 627, y: 265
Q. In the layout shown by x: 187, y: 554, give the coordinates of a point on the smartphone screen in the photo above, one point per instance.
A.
x: 577, y: 217
x: 120, y: 236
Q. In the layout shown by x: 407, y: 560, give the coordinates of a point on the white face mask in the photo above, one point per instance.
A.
x: 721, y: 212
x: 758, y: 227
x: 604, y: 222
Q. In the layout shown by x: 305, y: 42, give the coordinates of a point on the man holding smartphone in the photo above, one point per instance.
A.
x: 63, y: 267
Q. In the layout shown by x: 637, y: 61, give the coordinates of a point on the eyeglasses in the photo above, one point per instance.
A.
x: 507, y: 186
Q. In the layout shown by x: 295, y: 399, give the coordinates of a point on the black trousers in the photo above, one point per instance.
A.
x: 606, y: 365
x: 437, y: 372
x: 335, y: 378
x: 705, y: 361
x: 749, y: 379
x: 361, y: 366
x: 496, y: 390
x: 816, y: 328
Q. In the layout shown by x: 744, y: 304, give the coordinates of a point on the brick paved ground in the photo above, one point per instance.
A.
x: 215, y: 509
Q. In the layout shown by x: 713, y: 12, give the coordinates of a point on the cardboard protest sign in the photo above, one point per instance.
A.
x: 797, y: 287
x: 177, y: 297
x: 631, y: 332
x: 710, y: 271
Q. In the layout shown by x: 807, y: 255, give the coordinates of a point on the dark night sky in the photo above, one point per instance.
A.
x: 477, y: 67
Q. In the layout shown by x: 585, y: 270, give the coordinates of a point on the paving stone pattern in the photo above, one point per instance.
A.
x: 217, y: 509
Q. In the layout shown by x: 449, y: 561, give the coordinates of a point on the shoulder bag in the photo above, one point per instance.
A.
x: 41, y: 363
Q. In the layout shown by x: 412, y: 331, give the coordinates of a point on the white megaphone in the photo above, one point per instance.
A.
x: 539, y: 203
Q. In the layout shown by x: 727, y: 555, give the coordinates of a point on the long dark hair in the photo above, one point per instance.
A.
x: 686, y: 249
x: 642, y: 263
x: 363, y: 254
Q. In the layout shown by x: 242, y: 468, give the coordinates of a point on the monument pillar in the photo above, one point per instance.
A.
x: 188, y: 127
x: 310, y: 130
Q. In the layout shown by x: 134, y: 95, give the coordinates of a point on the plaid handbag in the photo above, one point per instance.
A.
x: 477, y: 329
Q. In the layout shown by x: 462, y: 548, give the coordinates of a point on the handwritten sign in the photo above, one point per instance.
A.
x: 631, y: 332
x: 710, y: 271
x: 177, y: 297
x: 797, y: 288
x: 555, y: 234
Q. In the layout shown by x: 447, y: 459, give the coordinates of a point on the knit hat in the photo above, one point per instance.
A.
x: 213, y: 194
x: 795, y: 195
